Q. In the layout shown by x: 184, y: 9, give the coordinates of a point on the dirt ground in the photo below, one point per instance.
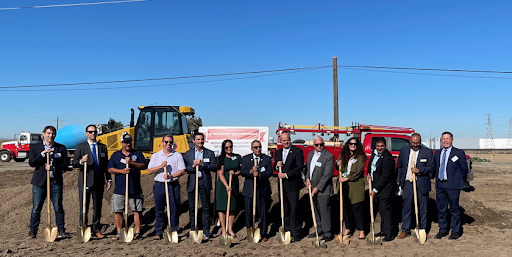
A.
x: 486, y: 222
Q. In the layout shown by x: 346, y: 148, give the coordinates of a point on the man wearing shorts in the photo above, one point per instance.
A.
x: 122, y: 162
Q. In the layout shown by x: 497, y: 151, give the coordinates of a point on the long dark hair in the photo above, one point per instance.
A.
x: 358, y: 153
x: 220, y: 158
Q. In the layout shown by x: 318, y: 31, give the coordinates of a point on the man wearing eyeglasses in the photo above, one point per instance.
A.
x: 262, y: 171
x: 175, y: 167
x: 95, y: 155
x: 320, y: 167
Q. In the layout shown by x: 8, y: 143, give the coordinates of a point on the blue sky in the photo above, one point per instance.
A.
x: 164, y: 38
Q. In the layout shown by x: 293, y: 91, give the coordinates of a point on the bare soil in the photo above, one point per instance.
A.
x: 487, y: 224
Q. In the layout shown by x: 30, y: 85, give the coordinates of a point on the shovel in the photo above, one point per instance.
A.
x: 341, y: 239
x: 227, y: 239
x: 419, y: 235
x: 126, y: 234
x: 371, y: 239
x: 282, y: 236
x: 169, y: 235
x: 196, y: 236
x: 253, y: 234
x: 83, y: 233
x: 318, y: 243
x: 214, y: 221
x: 49, y: 233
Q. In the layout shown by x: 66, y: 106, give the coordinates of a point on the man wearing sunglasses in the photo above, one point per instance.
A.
x: 320, y: 167
x: 95, y: 155
x: 175, y: 167
x: 261, y: 172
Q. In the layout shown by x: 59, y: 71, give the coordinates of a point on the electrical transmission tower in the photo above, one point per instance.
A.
x: 509, y: 137
x: 489, y: 140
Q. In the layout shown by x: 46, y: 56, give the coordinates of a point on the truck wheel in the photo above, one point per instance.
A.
x: 19, y: 159
x: 5, y: 156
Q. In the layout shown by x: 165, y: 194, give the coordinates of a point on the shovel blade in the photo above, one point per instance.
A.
x: 320, y: 244
x: 371, y: 239
x: 83, y: 235
x: 341, y: 239
x: 283, y: 237
x: 254, y: 235
x: 214, y: 222
x: 49, y: 234
x: 171, y: 236
x: 196, y: 236
x: 126, y: 236
x: 225, y: 241
x: 422, y: 236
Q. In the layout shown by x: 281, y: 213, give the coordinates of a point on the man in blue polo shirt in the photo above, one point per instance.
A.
x: 117, y: 166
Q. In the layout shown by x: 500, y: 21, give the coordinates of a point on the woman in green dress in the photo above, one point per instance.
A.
x: 228, y: 163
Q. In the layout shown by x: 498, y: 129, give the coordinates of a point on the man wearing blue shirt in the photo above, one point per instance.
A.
x: 117, y: 165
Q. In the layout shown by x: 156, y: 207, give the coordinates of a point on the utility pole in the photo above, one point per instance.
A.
x: 509, y: 137
x: 57, y: 120
x: 335, y: 94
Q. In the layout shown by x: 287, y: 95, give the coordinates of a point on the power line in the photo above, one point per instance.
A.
x: 67, y: 5
x: 424, y: 69
x: 427, y: 74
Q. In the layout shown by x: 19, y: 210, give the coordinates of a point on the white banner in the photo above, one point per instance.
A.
x: 242, y: 138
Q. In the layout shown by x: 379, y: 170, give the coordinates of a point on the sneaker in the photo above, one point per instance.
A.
x: 32, y: 235
x: 63, y: 234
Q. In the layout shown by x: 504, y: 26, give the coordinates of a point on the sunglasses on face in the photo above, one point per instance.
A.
x: 92, y: 132
x: 321, y: 144
x: 352, y: 143
x: 168, y: 142
x: 257, y: 147
x: 228, y: 147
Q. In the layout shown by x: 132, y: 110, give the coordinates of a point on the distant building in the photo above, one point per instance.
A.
x: 471, y: 143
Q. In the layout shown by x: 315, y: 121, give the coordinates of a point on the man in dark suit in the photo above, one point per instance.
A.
x: 381, y: 169
x: 291, y: 160
x: 420, y: 161
x: 262, y: 172
x: 451, y: 172
x: 58, y: 165
x: 95, y: 156
x: 205, y: 159
x: 320, y: 166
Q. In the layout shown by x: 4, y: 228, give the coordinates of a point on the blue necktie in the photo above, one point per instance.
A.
x: 442, y: 171
x: 95, y: 158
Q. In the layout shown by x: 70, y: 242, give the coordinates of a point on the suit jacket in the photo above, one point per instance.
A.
x: 293, y: 168
x: 384, y: 175
x: 263, y: 183
x: 456, y: 171
x: 424, y: 163
x: 322, y: 175
x: 92, y: 178
x: 209, y: 165
x: 36, y: 160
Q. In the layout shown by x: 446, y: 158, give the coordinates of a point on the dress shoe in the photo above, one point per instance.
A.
x: 454, y: 236
x: 99, y: 235
x: 380, y: 234
x: 388, y: 238
x: 157, y: 237
x: 403, y: 235
x: 264, y: 239
x: 328, y: 239
x: 313, y: 235
x: 428, y: 236
x: 32, y: 235
x: 440, y: 235
x: 295, y: 239
x: 63, y: 234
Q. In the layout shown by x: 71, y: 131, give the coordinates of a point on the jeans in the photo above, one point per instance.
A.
x: 38, y: 197
x: 161, y: 205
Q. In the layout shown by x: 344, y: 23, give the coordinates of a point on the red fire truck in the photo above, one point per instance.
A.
x: 18, y: 149
x: 396, y: 138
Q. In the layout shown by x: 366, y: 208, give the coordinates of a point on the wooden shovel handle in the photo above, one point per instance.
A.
x: 371, y: 201
x: 281, y: 196
x: 48, y: 190
x: 229, y: 203
x: 254, y: 198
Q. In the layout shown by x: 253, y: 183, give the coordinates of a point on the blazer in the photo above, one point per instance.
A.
x: 384, y: 175
x: 36, y: 160
x: 322, y: 175
x: 456, y: 171
x: 293, y: 168
x: 355, y: 180
x: 263, y: 183
x: 424, y: 163
x: 92, y: 178
x: 209, y: 165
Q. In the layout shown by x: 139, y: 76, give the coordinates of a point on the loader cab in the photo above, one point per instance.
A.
x: 156, y: 121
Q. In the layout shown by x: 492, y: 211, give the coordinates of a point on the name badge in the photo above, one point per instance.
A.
x: 233, y: 158
x: 57, y: 155
x: 423, y: 160
x: 318, y: 164
x: 455, y: 158
x: 206, y: 160
x: 102, y: 154
x: 123, y: 160
x: 262, y: 169
x: 134, y: 158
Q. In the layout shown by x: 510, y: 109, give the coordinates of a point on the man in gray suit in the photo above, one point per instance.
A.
x: 320, y: 166
x: 95, y: 156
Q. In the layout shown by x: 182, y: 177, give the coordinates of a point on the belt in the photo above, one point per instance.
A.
x: 443, y: 180
x: 163, y: 183
x: 199, y: 178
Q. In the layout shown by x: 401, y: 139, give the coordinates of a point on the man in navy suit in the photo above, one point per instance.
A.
x: 261, y: 173
x: 420, y: 161
x: 206, y: 161
x: 451, y: 171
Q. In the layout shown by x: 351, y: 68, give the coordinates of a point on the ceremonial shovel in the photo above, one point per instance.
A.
x: 169, y: 235
x: 227, y: 239
x: 282, y: 236
x: 371, y: 239
x: 253, y: 234
x: 126, y: 234
x: 214, y: 221
x: 49, y: 233
x: 196, y: 236
x: 342, y: 239
x: 317, y: 244
x: 419, y: 235
x: 83, y: 233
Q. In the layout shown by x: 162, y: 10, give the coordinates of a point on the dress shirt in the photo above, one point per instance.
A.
x: 257, y: 158
x: 199, y: 155
x: 445, y: 161
x: 349, y: 166
x: 90, y: 146
x: 312, y: 165
x: 174, y: 161
x: 374, y: 165
x: 411, y: 153
x: 285, y: 155
x: 51, y: 155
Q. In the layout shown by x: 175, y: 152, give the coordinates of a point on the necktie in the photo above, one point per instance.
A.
x: 285, y: 155
x: 95, y: 158
x: 412, y: 165
x: 442, y: 171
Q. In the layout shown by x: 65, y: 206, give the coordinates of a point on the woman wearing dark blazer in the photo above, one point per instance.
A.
x: 351, y: 162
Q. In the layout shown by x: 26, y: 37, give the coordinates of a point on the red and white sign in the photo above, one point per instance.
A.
x: 242, y: 138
